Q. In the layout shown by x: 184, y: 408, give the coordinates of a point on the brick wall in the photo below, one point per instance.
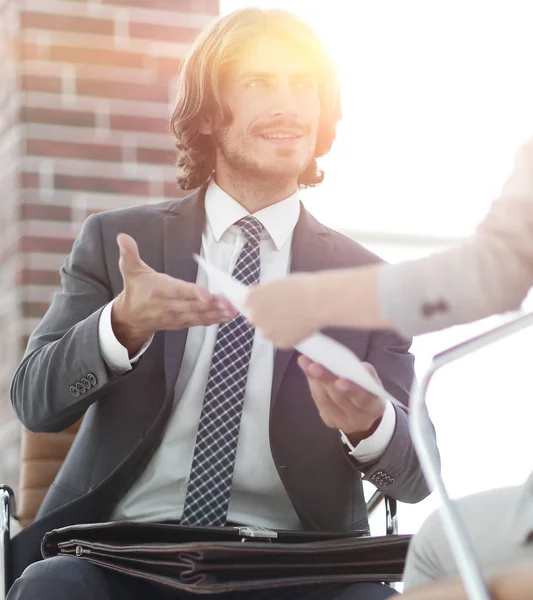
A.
x: 86, y: 88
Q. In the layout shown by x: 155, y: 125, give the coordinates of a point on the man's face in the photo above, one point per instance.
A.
x: 272, y: 94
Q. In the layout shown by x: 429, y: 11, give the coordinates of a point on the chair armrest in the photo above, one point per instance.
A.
x: 7, y: 512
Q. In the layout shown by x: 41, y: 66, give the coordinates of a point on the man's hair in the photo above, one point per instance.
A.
x: 199, y: 89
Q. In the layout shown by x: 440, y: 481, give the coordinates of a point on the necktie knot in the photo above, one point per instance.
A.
x: 251, y: 228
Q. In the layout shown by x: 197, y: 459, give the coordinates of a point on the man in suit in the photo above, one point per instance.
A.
x: 187, y: 413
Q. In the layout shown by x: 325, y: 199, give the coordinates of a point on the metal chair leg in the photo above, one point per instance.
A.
x: 423, y: 441
x: 7, y: 510
x: 391, y: 515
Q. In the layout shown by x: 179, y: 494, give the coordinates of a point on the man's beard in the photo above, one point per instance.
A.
x: 244, y: 165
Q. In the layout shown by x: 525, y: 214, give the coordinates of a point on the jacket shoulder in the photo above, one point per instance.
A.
x: 348, y: 252
x: 137, y: 212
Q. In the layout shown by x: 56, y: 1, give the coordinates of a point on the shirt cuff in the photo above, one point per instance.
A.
x: 374, y: 446
x: 113, y: 352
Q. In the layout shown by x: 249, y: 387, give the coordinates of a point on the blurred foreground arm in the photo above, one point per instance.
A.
x: 488, y: 274
x: 514, y: 584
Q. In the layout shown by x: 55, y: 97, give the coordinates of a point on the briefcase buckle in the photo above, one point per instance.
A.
x: 262, y: 533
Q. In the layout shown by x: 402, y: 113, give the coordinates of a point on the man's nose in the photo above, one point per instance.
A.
x: 284, y: 100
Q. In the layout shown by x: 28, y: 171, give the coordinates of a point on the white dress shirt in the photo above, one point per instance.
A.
x: 258, y: 497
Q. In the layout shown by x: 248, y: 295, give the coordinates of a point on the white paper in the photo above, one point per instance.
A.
x: 320, y: 348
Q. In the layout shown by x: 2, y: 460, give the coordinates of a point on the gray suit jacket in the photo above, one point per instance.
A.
x: 125, y: 416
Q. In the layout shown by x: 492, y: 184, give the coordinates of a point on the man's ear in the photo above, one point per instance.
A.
x: 206, y: 125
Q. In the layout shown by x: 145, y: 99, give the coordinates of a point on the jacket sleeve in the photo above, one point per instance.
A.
x: 62, y: 372
x: 397, y: 471
x: 490, y: 273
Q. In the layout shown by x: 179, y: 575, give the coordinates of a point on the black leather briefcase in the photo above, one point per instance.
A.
x: 208, y: 560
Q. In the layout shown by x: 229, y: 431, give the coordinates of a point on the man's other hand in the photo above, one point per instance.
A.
x: 343, y: 404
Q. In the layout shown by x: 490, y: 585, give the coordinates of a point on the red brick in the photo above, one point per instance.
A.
x: 167, y: 33
x: 58, y: 116
x: 146, y: 124
x: 83, y: 56
x: 128, y: 91
x: 29, y: 180
x: 96, y: 56
x: 41, y: 83
x: 70, y: 23
x: 34, y: 309
x: 46, y: 244
x: 91, y: 211
x: 106, y: 185
x: 36, y: 277
x: 74, y: 150
x: 46, y: 212
x: 172, y: 190
x: 156, y: 156
x: 208, y: 6
x: 30, y: 51
x: 167, y: 68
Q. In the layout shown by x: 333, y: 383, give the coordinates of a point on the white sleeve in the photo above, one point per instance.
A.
x: 113, y: 352
x: 373, y: 447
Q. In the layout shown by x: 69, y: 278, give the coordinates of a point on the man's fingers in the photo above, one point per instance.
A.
x: 330, y: 412
x: 171, y: 289
x: 224, y: 304
x: 209, y: 318
x: 347, y: 386
x: 315, y: 370
x: 189, y: 313
x: 304, y: 362
x: 370, y: 368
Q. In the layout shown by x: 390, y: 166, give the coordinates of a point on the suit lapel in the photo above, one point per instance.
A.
x: 311, y: 251
x: 183, y: 228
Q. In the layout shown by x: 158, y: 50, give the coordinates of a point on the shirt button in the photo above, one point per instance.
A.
x: 85, y: 383
x: 80, y: 388
x: 73, y: 391
x: 92, y: 379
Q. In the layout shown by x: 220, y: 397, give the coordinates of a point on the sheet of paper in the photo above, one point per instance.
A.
x: 320, y: 348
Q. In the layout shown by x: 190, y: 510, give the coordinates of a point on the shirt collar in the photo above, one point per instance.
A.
x: 223, y: 211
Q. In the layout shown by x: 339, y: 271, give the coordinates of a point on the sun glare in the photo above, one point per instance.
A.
x: 436, y: 98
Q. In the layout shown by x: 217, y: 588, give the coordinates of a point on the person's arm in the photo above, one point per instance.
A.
x: 397, y: 471
x: 63, y: 370
x: 64, y: 348
x: 389, y: 460
x: 514, y: 584
x: 488, y: 274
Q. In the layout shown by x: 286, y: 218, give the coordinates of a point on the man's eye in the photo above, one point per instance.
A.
x: 253, y: 83
x: 305, y: 84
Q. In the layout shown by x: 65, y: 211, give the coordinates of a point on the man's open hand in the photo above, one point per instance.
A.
x: 152, y: 301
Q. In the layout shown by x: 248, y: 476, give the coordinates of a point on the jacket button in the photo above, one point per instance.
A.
x: 80, y: 388
x: 85, y: 383
x: 430, y: 309
x: 73, y: 391
x: 92, y: 379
